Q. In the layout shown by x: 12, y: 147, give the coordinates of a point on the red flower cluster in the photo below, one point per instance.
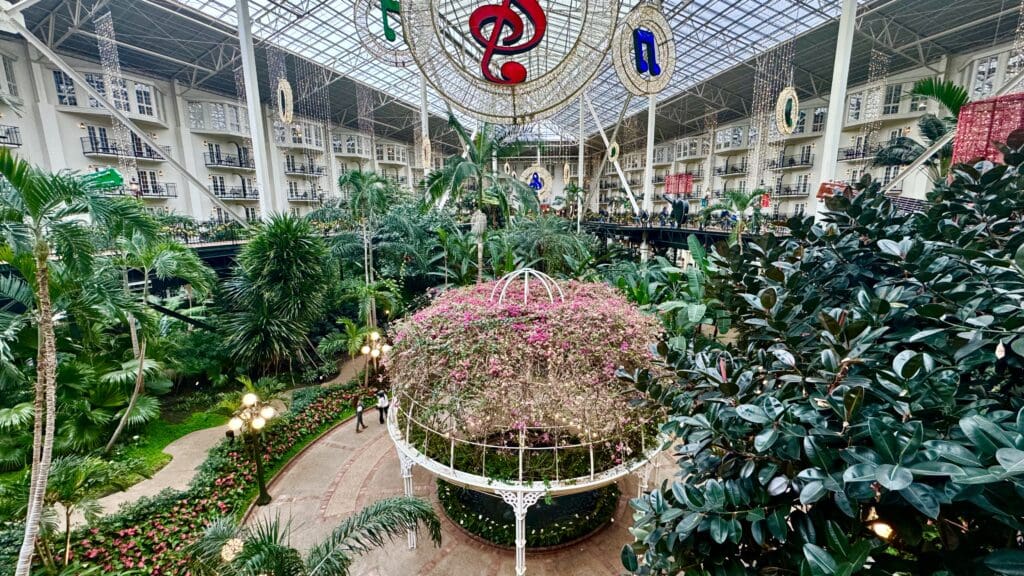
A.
x: 151, y: 535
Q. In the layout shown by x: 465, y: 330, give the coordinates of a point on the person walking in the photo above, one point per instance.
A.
x: 359, y: 417
x: 382, y: 405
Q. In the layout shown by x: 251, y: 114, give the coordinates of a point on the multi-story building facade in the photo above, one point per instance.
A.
x: 55, y: 124
x: 721, y: 160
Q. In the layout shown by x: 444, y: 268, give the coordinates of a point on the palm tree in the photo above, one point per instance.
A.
x: 349, y: 340
x: 546, y: 241
x: 903, y: 150
x: 163, y: 259
x: 225, y: 549
x: 276, y: 293
x: 472, y: 177
x: 369, y: 194
x: 739, y: 202
x: 48, y: 215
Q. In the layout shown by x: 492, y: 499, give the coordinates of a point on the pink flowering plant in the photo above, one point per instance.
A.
x: 534, y: 371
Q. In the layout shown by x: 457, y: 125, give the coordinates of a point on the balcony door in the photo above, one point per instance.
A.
x: 147, y: 182
x: 98, y: 138
x: 214, y: 151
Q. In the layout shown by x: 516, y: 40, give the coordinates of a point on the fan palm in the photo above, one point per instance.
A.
x: 161, y: 258
x: 903, y: 150
x: 276, y: 292
x: 740, y: 202
x: 470, y: 177
x: 48, y: 215
x: 546, y: 241
x: 225, y: 549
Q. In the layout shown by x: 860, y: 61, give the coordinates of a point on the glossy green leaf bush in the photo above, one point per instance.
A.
x: 869, y: 418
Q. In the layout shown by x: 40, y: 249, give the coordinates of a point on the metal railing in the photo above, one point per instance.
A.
x: 731, y: 169
x: 236, y: 193
x: 100, y: 147
x: 857, y: 152
x: 10, y: 136
x: 304, y: 169
x: 792, y: 162
x: 229, y: 161
x: 306, y: 196
x: 154, y: 190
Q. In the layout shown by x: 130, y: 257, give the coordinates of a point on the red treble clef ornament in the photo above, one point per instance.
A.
x: 500, y: 16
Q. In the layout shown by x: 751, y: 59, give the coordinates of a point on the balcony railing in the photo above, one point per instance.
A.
x: 696, y: 174
x: 306, y: 196
x: 154, y: 190
x: 229, y: 161
x: 787, y: 191
x: 236, y: 193
x: 10, y: 136
x: 792, y: 162
x: 97, y: 147
x: 731, y: 169
x: 304, y: 169
x: 857, y: 152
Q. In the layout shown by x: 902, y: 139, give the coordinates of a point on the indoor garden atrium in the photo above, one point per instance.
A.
x: 510, y: 287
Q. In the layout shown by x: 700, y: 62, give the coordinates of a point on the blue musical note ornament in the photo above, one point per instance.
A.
x: 643, y: 41
x: 536, y: 182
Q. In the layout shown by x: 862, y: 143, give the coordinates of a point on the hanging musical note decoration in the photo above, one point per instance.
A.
x: 499, y: 41
x: 525, y: 58
x: 787, y: 111
x: 379, y: 24
x: 538, y: 178
x: 644, y: 51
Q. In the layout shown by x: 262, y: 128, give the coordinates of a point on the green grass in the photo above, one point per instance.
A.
x: 149, y: 448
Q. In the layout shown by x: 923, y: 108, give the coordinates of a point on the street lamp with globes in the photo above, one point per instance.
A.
x: 373, y: 349
x: 249, y: 421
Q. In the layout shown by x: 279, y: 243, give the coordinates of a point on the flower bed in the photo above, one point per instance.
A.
x: 548, y: 523
x: 150, y: 535
x: 478, y: 377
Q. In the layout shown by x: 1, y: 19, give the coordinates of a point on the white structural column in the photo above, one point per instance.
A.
x: 837, y: 92
x: 425, y: 127
x: 260, y: 154
x: 406, y: 463
x: 520, y: 501
x: 652, y: 106
x: 579, y: 171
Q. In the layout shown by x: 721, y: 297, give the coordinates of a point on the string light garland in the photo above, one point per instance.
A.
x: 117, y: 90
x: 773, y: 74
x: 878, y: 74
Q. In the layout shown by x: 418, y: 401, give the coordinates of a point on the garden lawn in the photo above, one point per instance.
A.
x: 149, y: 449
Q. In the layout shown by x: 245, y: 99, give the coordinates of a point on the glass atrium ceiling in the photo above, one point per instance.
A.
x: 711, y: 37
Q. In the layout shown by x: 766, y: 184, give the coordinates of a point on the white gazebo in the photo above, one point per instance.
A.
x: 416, y: 423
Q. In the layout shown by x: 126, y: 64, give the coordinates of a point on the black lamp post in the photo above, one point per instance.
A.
x: 249, y: 421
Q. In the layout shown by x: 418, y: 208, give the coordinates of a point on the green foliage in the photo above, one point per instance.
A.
x: 501, y: 530
x: 875, y: 385
x: 226, y: 549
x: 275, y: 294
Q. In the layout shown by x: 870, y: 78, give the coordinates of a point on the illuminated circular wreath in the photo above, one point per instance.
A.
x: 285, y: 101
x: 566, y: 173
x: 540, y: 58
x: 427, y: 155
x: 787, y: 111
x: 613, y: 152
x: 643, y: 27
x: 374, y: 38
x: 538, y: 178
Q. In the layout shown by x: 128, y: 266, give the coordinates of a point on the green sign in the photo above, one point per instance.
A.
x: 109, y: 178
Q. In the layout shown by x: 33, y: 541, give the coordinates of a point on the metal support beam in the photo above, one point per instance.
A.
x: 579, y: 169
x: 260, y: 154
x: 837, y: 98
x: 615, y: 163
x: 144, y: 136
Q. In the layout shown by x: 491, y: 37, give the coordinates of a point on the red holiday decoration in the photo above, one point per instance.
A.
x: 502, y: 42
x: 983, y: 123
x: 679, y: 183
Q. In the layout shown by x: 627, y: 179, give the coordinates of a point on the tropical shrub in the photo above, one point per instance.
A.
x: 869, y: 418
x: 153, y: 533
x: 548, y: 523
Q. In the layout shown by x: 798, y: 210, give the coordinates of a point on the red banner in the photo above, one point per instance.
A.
x: 679, y: 183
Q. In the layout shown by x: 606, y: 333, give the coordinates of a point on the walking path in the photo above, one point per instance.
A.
x: 344, y: 471
x: 187, y: 453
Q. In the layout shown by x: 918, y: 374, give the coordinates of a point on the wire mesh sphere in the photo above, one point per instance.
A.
x: 525, y: 389
x: 379, y: 26
x: 509, y: 62
x: 644, y: 51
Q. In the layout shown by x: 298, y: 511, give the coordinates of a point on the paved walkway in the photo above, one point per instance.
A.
x: 345, y: 471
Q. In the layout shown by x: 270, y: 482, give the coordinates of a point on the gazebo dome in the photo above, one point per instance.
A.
x: 510, y: 383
